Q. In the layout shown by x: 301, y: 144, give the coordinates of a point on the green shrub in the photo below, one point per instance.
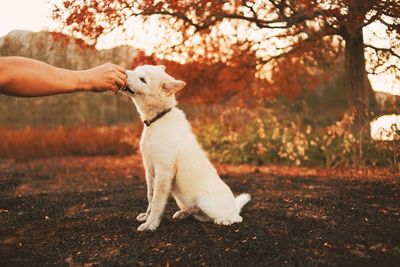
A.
x: 259, y: 137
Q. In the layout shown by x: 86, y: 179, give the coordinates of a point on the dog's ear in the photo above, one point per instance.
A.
x: 171, y: 87
x: 162, y: 66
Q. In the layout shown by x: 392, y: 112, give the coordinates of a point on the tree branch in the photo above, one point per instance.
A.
x: 387, y: 50
x: 376, y: 72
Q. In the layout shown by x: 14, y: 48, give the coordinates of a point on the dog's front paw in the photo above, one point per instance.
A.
x: 142, y: 217
x: 148, y: 226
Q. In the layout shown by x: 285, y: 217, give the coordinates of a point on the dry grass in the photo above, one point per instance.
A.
x: 39, y: 142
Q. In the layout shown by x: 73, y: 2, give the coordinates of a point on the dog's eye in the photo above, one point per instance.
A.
x: 143, y: 80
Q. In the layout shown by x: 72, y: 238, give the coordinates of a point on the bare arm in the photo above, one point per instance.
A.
x: 26, y: 77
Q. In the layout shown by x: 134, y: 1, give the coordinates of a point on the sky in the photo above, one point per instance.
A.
x: 34, y: 15
x: 24, y: 15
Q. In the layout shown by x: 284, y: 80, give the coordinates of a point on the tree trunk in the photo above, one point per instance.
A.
x: 359, y: 90
x: 356, y: 79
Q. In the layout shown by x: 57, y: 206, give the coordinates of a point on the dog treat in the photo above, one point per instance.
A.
x: 126, y: 91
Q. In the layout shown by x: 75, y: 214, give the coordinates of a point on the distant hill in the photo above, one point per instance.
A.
x: 63, y: 53
x: 88, y: 108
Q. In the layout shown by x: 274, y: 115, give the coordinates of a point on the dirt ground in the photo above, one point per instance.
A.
x: 81, y: 212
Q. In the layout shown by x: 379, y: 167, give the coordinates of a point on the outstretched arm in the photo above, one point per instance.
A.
x: 26, y: 77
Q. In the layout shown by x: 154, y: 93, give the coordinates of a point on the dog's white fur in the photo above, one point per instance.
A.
x: 174, y: 162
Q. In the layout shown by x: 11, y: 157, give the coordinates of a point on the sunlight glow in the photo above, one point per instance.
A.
x: 32, y: 15
x: 382, y: 128
x: 375, y: 34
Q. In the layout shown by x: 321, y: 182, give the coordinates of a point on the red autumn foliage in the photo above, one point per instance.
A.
x: 207, y: 82
x: 299, y: 72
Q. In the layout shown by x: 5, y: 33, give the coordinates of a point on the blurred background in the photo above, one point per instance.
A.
x: 268, y: 82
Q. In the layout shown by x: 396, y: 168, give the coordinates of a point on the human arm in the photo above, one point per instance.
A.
x: 26, y: 77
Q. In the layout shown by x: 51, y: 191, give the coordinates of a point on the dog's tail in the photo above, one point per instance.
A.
x: 242, y: 200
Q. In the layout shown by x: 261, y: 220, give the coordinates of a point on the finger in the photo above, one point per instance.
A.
x: 119, y: 82
x: 122, y: 76
x: 120, y: 68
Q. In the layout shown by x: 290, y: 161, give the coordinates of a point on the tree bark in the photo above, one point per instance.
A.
x: 356, y: 78
x: 360, y: 93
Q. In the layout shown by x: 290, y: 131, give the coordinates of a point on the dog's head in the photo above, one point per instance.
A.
x: 152, y: 81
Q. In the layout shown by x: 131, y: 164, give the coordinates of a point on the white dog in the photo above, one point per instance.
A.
x: 173, y: 160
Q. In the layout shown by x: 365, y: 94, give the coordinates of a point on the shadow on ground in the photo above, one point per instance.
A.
x: 81, y: 211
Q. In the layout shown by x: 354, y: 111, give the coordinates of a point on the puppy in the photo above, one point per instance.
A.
x: 173, y: 160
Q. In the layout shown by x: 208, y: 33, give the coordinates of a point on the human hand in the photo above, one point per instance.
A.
x: 104, y: 77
